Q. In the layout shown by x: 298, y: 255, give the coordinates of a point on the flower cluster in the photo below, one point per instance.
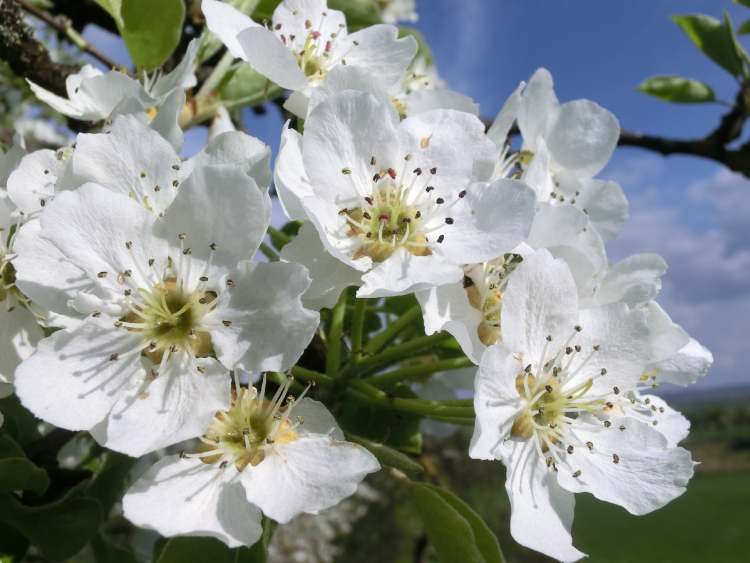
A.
x: 137, y: 265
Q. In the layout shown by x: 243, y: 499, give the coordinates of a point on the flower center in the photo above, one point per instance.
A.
x: 484, y: 284
x: 397, y: 211
x: 554, y: 398
x: 251, y: 428
x: 169, y: 317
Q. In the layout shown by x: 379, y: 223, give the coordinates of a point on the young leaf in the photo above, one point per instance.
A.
x: 458, y: 534
x: 677, y: 89
x: 744, y: 29
x: 745, y: 3
x: 151, y: 30
x: 359, y: 13
x: 179, y: 550
x: 714, y: 38
x: 388, y: 456
x: 17, y: 473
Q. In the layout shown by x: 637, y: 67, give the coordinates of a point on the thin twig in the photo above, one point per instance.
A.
x: 64, y: 26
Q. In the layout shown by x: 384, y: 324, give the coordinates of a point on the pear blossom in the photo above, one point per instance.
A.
x: 279, y: 457
x: 393, y: 11
x: 563, y: 147
x: 552, y: 403
x: 19, y: 331
x: 305, y: 41
x: 160, y: 280
x: 94, y: 95
x: 402, y: 202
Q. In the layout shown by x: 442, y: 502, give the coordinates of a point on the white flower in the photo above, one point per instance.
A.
x: 94, y: 95
x: 553, y: 403
x: 305, y: 41
x: 564, y: 147
x: 393, y: 11
x: 401, y: 201
x: 19, y: 331
x: 281, y: 457
x: 158, y: 272
x: 674, y: 356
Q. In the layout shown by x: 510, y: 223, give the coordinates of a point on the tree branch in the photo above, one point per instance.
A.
x: 25, y: 55
x: 63, y: 25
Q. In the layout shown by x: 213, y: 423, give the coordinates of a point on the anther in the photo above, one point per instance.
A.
x: 449, y: 220
x: 570, y: 449
x: 113, y: 357
x: 615, y: 458
x: 590, y: 445
x: 101, y: 275
x: 577, y: 474
x: 603, y: 371
x: 440, y: 201
x: 346, y: 170
x: 578, y: 328
x: 616, y: 390
x: 607, y: 424
x: 462, y: 193
x: 441, y: 238
x: 226, y: 323
x: 182, y: 236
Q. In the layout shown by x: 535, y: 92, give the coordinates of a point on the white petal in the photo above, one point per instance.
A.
x: 179, y: 404
x: 346, y: 77
x: 622, y: 336
x: 33, y: 182
x: 44, y: 274
x: 454, y: 142
x: 667, y: 337
x: 540, y: 301
x: 496, y: 401
x: 404, y: 273
x: 317, y: 419
x: 181, y: 77
x: 541, y: 511
x: 605, y: 204
x: 556, y: 225
x: 329, y: 275
x: 238, y: 149
x: 186, y: 497
x: 19, y: 334
x: 91, y: 226
x: 166, y: 122
x: 648, y: 474
x: 226, y: 22
x: 633, y: 280
x: 290, y: 177
x: 218, y: 205
x: 539, y: 108
x: 74, y: 377
x: 344, y: 133
x: 381, y: 52
x: 308, y: 475
x: 664, y: 419
x: 493, y: 220
x: 447, y: 307
x: 269, y: 327
x: 500, y: 128
x: 270, y: 57
x: 583, y: 137
x: 428, y: 100
x: 686, y: 366
x: 132, y: 159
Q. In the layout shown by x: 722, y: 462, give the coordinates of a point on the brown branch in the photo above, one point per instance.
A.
x: 64, y: 26
x: 25, y: 55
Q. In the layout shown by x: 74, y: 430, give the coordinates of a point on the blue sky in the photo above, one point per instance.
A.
x: 693, y: 212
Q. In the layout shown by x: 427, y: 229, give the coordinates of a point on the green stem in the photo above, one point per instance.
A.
x: 335, y: 335
x: 411, y: 372
x: 269, y: 252
x: 459, y: 412
x: 216, y: 76
x: 392, y: 330
x: 280, y: 235
x: 358, y: 328
x: 397, y: 353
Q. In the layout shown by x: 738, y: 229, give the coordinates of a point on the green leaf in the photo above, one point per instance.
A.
x: 714, y: 38
x: 745, y: 3
x: 458, y: 534
x: 180, y: 550
x: 395, y: 429
x: 17, y: 473
x: 113, y: 8
x: 109, y: 484
x: 19, y: 422
x: 105, y: 552
x: 151, y: 30
x: 359, y: 13
x: 388, y: 456
x: 677, y: 89
x: 60, y: 529
x: 258, y: 553
x: 744, y: 29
